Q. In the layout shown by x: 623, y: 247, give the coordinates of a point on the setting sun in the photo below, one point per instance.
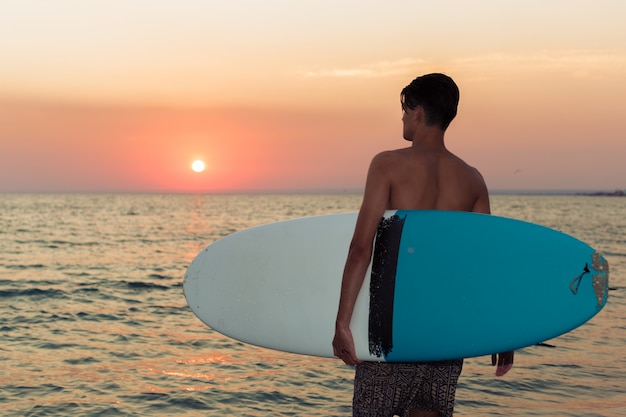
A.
x: 198, y: 166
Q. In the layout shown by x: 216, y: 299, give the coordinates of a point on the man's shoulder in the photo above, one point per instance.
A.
x: 394, y: 154
x: 464, y: 165
x: 388, y: 157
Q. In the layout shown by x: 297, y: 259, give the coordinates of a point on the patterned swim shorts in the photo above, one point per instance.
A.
x: 385, y: 389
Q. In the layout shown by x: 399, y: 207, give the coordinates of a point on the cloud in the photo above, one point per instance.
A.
x: 579, y: 63
x: 376, y: 70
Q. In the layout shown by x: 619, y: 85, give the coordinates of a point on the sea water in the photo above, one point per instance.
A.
x: 93, y: 321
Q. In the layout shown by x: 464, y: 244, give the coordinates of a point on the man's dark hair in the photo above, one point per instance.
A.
x: 437, y: 94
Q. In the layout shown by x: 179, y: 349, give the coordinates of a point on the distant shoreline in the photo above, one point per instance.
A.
x: 616, y: 193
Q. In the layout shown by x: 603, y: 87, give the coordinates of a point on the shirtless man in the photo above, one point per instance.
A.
x: 424, y: 176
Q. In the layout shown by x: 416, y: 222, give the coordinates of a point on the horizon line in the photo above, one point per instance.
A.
x: 321, y: 191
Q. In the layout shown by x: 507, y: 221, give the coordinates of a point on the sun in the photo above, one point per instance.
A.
x: 198, y: 166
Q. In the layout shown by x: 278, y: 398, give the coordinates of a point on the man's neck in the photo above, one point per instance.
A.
x: 430, y: 138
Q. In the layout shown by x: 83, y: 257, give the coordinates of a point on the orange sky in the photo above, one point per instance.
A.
x: 282, y: 95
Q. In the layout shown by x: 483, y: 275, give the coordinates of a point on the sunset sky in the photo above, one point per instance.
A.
x: 298, y: 95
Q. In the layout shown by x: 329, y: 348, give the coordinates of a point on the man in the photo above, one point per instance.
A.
x: 424, y: 176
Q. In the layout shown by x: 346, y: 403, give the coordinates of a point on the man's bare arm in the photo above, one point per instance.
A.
x: 374, y: 204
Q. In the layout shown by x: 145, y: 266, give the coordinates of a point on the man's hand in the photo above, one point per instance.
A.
x: 343, y: 346
x: 504, y: 361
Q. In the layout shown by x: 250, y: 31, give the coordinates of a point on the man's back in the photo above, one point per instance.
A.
x: 419, y: 178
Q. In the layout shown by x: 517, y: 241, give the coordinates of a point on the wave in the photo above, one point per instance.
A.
x: 36, y: 293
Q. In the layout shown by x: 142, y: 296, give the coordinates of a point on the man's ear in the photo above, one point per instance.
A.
x: 419, y: 114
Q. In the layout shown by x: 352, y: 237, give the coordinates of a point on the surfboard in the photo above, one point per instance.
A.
x: 441, y: 285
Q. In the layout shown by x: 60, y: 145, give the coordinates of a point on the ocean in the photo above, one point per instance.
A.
x: 93, y: 319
